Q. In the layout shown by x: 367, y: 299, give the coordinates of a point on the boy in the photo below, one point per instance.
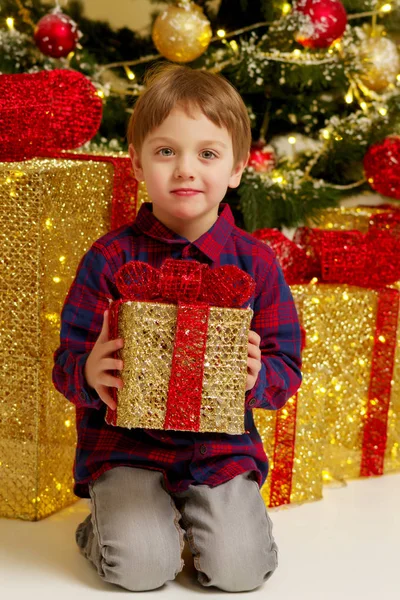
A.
x: 189, y: 140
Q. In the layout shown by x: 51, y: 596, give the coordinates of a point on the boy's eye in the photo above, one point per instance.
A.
x: 209, y: 152
x: 163, y: 149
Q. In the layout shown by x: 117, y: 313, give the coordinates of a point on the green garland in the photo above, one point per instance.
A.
x: 266, y: 202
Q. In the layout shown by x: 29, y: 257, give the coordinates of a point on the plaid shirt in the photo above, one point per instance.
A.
x: 184, y: 458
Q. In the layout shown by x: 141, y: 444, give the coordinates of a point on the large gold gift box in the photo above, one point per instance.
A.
x: 51, y: 212
x: 345, y: 420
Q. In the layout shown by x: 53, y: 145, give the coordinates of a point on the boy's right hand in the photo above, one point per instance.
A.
x: 100, y: 362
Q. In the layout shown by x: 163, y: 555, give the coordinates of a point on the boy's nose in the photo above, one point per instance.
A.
x: 184, y: 170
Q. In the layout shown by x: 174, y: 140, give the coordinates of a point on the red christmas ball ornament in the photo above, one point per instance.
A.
x: 262, y: 158
x: 382, y: 167
x: 56, y: 34
x: 321, y: 22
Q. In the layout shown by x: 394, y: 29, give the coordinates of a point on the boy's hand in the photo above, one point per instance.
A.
x: 99, y: 362
x: 253, y: 359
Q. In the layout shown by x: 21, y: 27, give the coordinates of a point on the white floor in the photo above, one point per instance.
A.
x: 346, y: 546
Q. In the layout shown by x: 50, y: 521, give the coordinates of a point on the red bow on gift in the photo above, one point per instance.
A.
x: 366, y: 260
x: 185, y: 281
x: 45, y: 112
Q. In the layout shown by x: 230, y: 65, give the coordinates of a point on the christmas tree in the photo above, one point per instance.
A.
x: 320, y: 78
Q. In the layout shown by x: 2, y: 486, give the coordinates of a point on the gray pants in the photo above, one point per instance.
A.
x: 134, y: 535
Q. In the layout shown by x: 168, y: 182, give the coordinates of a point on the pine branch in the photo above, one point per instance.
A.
x: 282, y: 200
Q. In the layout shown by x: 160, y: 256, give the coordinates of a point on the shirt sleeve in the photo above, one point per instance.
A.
x: 81, y: 322
x: 276, y: 321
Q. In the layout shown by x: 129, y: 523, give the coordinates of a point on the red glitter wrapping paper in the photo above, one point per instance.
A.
x: 184, y: 389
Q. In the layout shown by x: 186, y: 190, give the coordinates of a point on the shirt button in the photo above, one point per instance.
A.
x: 252, y: 402
x: 203, y: 449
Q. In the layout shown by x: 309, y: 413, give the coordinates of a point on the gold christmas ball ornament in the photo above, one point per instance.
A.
x: 381, y: 62
x: 181, y: 33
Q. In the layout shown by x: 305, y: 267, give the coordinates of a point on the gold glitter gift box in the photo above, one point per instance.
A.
x: 51, y: 212
x: 345, y: 420
x: 185, y: 346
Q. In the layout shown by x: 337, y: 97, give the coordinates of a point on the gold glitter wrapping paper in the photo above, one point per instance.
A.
x: 148, y: 330
x: 342, y: 219
x: 142, y: 195
x: 359, y: 218
x: 392, y: 454
x: 51, y: 211
x: 332, y: 402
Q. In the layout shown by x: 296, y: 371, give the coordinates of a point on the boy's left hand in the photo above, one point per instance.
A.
x: 253, y: 359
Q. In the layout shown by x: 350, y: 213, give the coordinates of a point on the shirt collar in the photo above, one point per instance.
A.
x: 210, y: 243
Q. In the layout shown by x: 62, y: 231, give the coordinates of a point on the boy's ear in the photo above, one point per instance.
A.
x: 136, y: 164
x: 236, y: 176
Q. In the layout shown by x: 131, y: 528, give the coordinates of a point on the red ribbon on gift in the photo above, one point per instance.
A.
x: 380, y: 384
x: 193, y: 287
x: 284, y: 444
x: 368, y: 260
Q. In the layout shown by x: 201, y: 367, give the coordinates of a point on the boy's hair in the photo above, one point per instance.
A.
x: 170, y: 86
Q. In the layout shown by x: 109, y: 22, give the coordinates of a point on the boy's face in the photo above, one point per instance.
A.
x: 186, y: 153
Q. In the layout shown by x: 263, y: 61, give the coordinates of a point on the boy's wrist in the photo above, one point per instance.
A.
x: 252, y: 396
x: 87, y: 395
x: 86, y: 376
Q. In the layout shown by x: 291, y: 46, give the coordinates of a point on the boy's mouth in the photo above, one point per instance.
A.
x: 185, y: 192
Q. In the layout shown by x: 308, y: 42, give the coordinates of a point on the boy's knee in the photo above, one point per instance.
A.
x: 137, y: 569
x: 238, y: 569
